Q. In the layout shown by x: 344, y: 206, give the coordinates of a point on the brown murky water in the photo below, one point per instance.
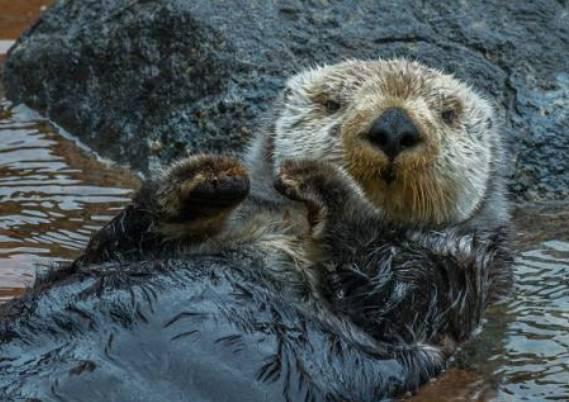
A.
x: 54, y: 194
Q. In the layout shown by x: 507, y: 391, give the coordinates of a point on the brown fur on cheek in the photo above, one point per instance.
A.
x: 419, y: 197
x: 420, y: 192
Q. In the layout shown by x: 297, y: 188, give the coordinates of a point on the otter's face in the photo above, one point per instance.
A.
x: 419, y: 142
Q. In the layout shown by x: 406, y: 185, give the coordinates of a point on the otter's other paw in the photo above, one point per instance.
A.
x: 324, y: 189
x: 201, y: 187
x: 305, y: 181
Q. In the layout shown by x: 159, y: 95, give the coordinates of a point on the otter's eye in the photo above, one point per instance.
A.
x: 332, y: 106
x: 448, y: 116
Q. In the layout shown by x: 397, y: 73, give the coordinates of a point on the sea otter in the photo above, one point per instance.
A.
x: 363, y: 235
x: 421, y: 147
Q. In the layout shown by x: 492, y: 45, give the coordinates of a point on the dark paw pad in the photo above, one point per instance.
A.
x: 219, y: 192
x: 201, y: 186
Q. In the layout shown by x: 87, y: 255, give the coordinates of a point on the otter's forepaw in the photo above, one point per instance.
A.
x: 307, y: 182
x: 201, y: 187
x: 324, y: 189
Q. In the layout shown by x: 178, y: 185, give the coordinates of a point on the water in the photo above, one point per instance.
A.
x: 522, y: 354
x: 537, y: 344
x: 53, y: 195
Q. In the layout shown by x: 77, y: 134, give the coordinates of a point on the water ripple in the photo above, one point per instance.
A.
x: 52, y: 197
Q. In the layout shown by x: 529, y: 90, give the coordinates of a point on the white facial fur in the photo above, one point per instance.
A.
x: 443, y: 180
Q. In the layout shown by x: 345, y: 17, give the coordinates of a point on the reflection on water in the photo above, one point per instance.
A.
x: 522, y: 354
x: 535, y: 359
x: 52, y: 197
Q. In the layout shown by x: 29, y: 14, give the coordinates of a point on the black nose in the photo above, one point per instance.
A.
x: 394, y: 132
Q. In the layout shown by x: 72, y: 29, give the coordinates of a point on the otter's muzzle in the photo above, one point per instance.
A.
x: 394, y: 132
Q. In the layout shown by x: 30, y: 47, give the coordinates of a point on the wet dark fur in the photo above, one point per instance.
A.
x: 150, y: 323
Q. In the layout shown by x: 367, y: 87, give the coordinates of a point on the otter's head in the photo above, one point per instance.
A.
x: 419, y: 142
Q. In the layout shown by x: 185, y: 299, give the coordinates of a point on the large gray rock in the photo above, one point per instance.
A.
x: 145, y: 81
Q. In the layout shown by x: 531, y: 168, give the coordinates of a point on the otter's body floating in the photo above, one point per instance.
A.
x: 211, y: 285
x: 213, y: 328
